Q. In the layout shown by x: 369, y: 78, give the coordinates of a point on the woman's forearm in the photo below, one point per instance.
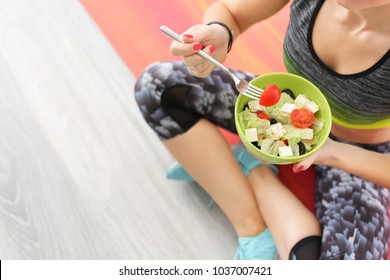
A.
x: 367, y: 164
x: 240, y: 15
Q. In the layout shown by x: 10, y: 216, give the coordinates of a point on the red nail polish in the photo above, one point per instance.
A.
x: 188, y: 36
x: 197, y: 47
x: 212, y: 49
x: 298, y: 169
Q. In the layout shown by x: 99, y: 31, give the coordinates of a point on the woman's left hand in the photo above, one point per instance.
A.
x: 322, y: 156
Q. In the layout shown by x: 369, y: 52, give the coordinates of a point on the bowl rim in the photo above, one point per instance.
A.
x: 289, y: 159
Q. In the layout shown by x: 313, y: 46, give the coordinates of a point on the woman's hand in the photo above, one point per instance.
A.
x: 370, y: 165
x: 212, y: 39
x: 323, y: 156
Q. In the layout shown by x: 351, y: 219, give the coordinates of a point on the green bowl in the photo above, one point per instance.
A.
x: 298, y: 85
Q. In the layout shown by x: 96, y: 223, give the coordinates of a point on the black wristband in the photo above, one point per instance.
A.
x: 230, y: 32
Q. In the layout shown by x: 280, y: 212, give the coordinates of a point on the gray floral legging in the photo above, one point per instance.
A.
x: 353, y: 212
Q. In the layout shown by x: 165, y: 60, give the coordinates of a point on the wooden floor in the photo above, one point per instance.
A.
x: 81, y: 175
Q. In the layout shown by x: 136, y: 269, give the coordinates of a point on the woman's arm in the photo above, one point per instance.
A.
x: 213, y: 39
x: 369, y: 165
x: 240, y: 15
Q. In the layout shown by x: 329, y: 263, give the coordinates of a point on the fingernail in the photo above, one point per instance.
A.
x: 188, y: 36
x: 298, y: 169
x: 212, y: 49
x: 197, y: 47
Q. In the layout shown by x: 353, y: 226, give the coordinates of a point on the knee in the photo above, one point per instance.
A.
x: 308, y: 248
x: 152, y: 82
x: 149, y: 90
x: 261, y: 175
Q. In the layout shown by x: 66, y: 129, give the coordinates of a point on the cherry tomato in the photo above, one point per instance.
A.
x: 302, y: 118
x: 270, y: 95
x: 263, y: 115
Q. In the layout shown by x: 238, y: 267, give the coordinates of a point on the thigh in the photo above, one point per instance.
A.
x: 353, y: 213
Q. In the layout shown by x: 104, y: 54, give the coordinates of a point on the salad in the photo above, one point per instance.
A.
x: 288, y: 128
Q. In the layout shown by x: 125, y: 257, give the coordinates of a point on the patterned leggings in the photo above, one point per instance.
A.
x: 353, y: 212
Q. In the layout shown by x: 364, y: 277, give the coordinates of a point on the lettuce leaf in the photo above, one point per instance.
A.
x: 271, y: 147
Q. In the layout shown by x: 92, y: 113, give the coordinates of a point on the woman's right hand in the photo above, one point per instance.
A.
x: 212, y: 39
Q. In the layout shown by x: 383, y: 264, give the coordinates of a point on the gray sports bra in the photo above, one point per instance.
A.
x: 360, y: 100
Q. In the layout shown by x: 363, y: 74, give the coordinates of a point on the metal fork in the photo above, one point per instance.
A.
x: 242, y: 86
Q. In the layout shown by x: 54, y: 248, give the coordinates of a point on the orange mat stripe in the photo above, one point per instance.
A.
x: 132, y: 27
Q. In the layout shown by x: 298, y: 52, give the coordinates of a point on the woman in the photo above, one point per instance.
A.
x: 342, y: 46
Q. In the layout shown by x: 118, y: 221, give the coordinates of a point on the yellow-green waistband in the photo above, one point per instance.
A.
x: 376, y: 125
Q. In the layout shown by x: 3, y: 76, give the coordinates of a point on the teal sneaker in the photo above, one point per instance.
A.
x: 246, y: 161
x: 178, y: 173
x: 260, y: 247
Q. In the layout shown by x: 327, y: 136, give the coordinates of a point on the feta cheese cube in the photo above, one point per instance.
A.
x: 285, y: 151
x: 251, y: 134
x: 276, y: 131
x: 254, y: 105
x: 312, y: 106
x: 288, y: 107
x: 301, y: 100
x: 307, y: 133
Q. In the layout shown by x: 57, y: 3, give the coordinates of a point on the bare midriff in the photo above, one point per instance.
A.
x: 364, y: 136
